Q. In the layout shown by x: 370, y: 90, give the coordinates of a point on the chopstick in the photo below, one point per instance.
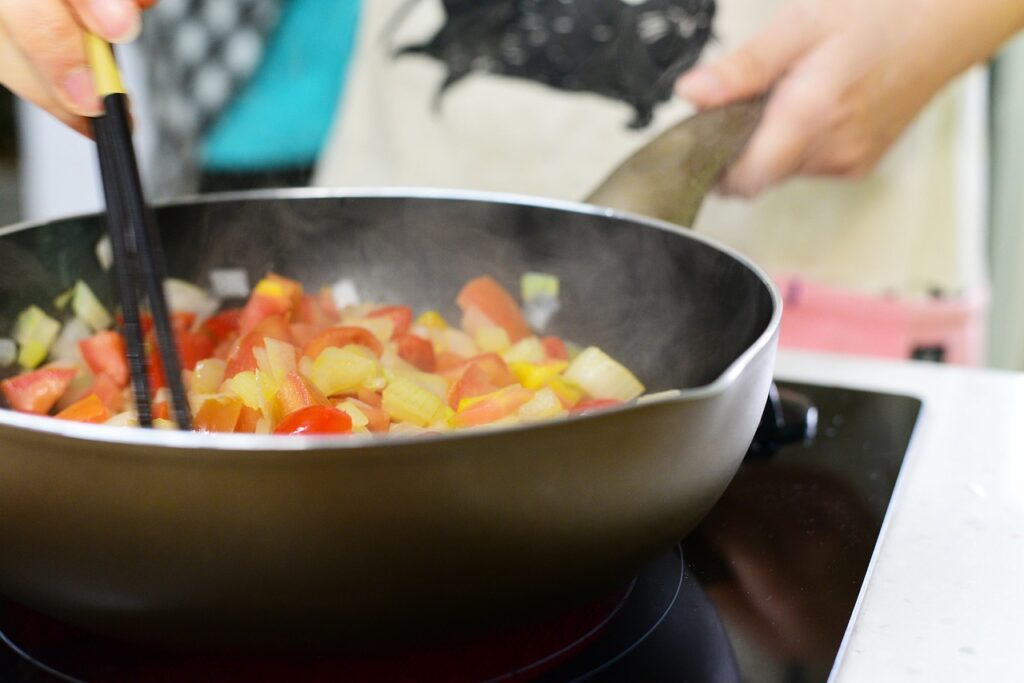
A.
x: 138, y: 254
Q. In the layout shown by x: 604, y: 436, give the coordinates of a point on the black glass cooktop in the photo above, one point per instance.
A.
x: 762, y: 591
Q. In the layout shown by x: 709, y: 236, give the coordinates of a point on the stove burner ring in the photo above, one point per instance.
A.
x: 565, y: 653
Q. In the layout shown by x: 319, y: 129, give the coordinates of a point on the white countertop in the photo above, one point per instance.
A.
x: 944, y: 599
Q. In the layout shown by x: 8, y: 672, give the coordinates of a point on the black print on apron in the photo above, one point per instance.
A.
x: 628, y: 50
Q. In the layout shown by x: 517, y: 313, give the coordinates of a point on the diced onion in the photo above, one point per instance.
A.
x: 602, y: 376
x: 66, y: 346
x: 407, y: 401
x: 105, y: 253
x: 345, y: 293
x: 88, y: 308
x: 534, y: 286
x: 8, y: 352
x: 35, y: 333
x: 185, y: 296
x: 228, y: 283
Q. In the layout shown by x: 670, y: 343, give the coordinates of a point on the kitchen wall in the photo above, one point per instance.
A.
x: 1006, y: 239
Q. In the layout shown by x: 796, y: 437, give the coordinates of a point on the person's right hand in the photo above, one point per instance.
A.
x: 42, y: 53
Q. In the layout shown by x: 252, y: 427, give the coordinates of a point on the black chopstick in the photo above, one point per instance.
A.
x: 138, y: 253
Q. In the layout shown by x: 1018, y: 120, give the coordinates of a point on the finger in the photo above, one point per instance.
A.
x: 117, y: 21
x: 21, y: 79
x: 46, y: 33
x: 793, y: 120
x: 753, y: 68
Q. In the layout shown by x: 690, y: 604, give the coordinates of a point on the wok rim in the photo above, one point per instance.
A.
x: 183, y: 442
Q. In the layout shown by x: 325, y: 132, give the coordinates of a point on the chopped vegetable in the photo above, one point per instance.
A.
x: 90, y: 409
x: 602, y: 376
x: 533, y: 286
x: 485, y: 294
x: 315, y: 420
x: 8, y: 352
x: 88, y: 308
x: 35, y: 332
x: 292, y: 362
x: 38, y: 391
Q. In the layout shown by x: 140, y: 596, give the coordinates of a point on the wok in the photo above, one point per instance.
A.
x: 189, y: 538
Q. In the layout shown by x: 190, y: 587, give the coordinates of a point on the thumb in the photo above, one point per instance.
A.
x: 753, y: 68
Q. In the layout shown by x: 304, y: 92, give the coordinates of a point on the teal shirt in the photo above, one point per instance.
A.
x: 283, y: 115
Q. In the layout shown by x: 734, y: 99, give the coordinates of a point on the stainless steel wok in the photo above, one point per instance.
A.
x: 212, y: 539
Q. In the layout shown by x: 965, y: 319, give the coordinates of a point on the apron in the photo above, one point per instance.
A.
x: 909, y: 235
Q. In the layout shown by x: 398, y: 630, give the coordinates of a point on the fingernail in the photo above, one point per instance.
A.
x: 118, y: 19
x: 80, y: 89
x: 701, y: 84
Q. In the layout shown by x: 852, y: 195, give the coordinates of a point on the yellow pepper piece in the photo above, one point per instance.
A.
x: 268, y: 287
x: 534, y: 376
x: 432, y: 320
x: 567, y: 392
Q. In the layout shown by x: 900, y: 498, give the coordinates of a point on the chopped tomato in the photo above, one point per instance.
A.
x: 492, y: 407
x: 473, y: 382
x: 446, y: 360
x: 593, y: 405
x: 298, y: 392
x: 303, y: 334
x: 218, y: 415
x: 485, y: 294
x: 37, y: 391
x: 555, y: 348
x: 192, y: 348
x: 274, y: 295
x: 417, y: 351
x: 224, y: 324
x: 315, y: 420
x: 491, y: 363
x: 108, y: 391
x: 401, y: 316
x: 105, y: 353
x: 241, y: 358
x: 327, y: 305
x: 161, y: 410
x: 340, y: 337
x: 248, y: 418
x: 145, y: 322
x: 90, y: 409
x: 371, y: 397
x: 379, y: 420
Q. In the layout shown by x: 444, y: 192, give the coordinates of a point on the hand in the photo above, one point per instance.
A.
x: 847, y: 77
x: 42, y: 54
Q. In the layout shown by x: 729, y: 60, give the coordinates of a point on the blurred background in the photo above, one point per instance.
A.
x: 969, y: 309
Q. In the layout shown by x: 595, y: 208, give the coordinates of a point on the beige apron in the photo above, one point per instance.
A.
x: 913, y: 226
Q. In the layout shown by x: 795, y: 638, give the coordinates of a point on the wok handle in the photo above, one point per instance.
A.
x: 671, y: 175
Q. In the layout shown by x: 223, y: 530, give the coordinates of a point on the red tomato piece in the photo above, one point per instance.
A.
x: 217, y: 415
x: 497, y: 304
x: 90, y: 409
x: 303, y: 334
x: 315, y: 420
x: 38, y: 391
x: 417, y: 351
x: 446, y: 360
x: 555, y: 348
x: 224, y: 324
x: 342, y: 336
x: 297, y: 392
x: 493, y: 408
x: 379, y: 420
x: 248, y: 418
x: 474, y: 382
x: 327, y: 305
x: 105, y: 353
x: 145, y: 322
x: 370, y: 397
x: 593, y: 405
x: 241, y: 358
x: 108, y: 391
x: 161, y: 410
x: 491, y: 363
x: 401, y: 317
x: 274, y: 295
